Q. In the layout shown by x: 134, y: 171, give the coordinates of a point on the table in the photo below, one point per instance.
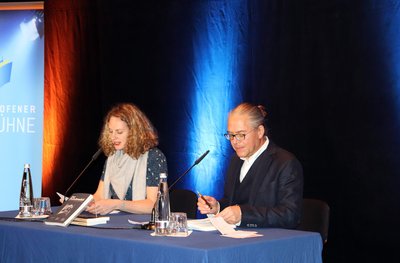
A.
x: 36, y: 242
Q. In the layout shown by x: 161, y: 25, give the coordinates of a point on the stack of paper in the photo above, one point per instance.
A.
x: 201, y: 225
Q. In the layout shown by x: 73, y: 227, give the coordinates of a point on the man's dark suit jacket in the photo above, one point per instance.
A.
x: 271, y: 194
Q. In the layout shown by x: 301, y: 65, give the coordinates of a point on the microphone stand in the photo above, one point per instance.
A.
x: 94, y: 157
x: 152, y: 224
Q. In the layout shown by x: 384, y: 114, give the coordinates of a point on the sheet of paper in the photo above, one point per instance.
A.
x: 221, y: 225
x: 228, y: 230
x: 173, y: 235
x: 137, y: 222
x: 201, y: 225
x: 242, y: 234
x: 62, y: 197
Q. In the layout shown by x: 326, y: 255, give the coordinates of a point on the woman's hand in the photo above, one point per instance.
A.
x: 103, y: 206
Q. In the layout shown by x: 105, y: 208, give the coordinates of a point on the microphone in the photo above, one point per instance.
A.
x: 94, y: 157
x: 152, y: 224
x: 96, y: 154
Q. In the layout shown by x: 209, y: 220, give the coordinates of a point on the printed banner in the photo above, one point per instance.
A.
x: 21, y: 102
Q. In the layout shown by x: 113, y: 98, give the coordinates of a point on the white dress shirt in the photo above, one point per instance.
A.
x: 248, y: 162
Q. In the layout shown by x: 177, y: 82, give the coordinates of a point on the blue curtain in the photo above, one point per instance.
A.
x: 219, y: 48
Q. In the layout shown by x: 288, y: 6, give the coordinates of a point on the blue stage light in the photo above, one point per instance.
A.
x: 216, y: 89
x: 33, y: 28
x: 29, y: 29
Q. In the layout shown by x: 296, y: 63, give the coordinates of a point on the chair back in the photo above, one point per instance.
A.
x: 183, y: 200
x: 315, y: 217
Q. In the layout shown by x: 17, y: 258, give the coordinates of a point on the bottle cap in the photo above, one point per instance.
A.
x: 27, y: 165
x: 163, y: 175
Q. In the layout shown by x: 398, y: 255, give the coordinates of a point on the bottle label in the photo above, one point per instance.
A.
x: 25, y: 211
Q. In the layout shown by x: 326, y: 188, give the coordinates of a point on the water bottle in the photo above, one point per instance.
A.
x: 162, y: 208
x: 26, y: 194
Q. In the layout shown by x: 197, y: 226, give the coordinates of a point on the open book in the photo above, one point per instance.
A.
x: 69, y: 210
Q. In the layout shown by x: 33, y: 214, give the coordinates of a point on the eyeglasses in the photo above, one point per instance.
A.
x: 238, y: 136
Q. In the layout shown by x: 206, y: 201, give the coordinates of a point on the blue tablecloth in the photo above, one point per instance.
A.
x: 36, y: 242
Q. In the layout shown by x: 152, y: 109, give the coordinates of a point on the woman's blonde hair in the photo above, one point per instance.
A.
x: 142, y: 135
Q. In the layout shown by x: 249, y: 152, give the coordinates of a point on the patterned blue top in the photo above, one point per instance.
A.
x: 156, y: 164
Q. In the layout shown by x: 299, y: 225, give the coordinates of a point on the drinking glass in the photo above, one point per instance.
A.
x: 178, y: 224
x: 42, y: 206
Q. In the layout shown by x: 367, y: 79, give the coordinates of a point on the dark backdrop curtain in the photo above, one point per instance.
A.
x: 326, y: 70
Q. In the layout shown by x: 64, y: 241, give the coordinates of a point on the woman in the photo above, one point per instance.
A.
x: 130, y: 176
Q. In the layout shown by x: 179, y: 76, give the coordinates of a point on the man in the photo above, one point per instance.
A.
x: 264, y: 183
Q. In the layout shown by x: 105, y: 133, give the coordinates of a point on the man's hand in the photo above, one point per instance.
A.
x: 231, y: 214
x: 204, y: 208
